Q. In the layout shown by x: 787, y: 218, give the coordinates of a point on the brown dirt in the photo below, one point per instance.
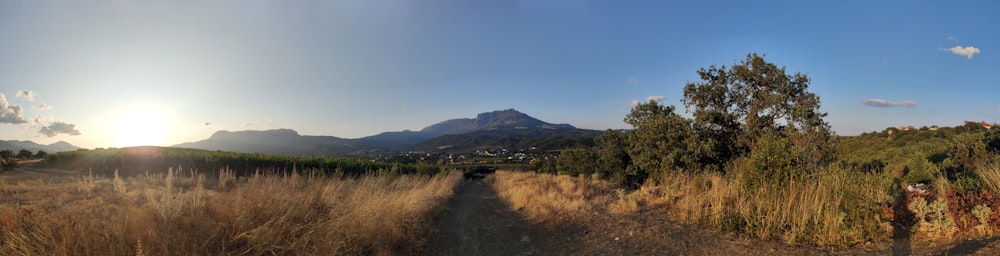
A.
x: 477, y: 222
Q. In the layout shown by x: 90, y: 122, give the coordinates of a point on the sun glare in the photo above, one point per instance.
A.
x: 140, y: 127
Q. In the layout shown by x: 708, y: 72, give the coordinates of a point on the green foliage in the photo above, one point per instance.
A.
x: 24, y: 154
x: 613, y: 157
x: 41, y: 154
x: 968, y: 183
x: 575, y: 162
x: 771, y: 161
x: 919, y: 170
x: 983, y: 213
x: 658, y: 144
x: 138, y: 160
x: 6, y: 153
x: 736, y: 107
x: 992, y: 140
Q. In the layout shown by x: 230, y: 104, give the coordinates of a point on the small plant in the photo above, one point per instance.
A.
x: 933, y: 218
x: 918, y: 206
x: 119, y: 183
x: 983, y: 213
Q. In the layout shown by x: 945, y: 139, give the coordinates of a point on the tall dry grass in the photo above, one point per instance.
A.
x: 184, y: 213
x: 835, y: 207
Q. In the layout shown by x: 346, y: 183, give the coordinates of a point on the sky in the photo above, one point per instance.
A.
x: 115, y: 73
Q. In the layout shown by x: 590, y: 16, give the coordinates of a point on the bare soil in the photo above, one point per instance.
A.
x: 477, y: 222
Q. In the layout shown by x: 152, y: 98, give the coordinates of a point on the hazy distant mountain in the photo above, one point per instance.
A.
x: 18, y: 145
x: 496, y: 120
x: 506, y: 128
x: 280, y: 142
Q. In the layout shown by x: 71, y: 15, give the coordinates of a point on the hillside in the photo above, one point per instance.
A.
x: 17, y: 145
x: 538, y: 138
x: 503, y: 128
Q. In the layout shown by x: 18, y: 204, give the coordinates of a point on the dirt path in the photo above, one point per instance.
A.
x: 476, y: 222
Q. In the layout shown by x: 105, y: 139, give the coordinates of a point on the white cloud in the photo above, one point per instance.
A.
x: 26, y: 94
x: 10, y: 114
x: 882, y: 103
x: 632, y: 80
x: 967, y: 51
x: 39, y: 120
x: 249, y: 124
x: 633, y: 103
x: 57, y: 128
x: 44, y: 106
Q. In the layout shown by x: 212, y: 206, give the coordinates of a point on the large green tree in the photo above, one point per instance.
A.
x: 658, y: 144
x: 735, y: 107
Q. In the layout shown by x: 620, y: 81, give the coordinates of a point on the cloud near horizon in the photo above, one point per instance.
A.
x: 10, y: 114
x: 57, y: 128
x: 967, y: 51
x: 26, y: 94
x: 883, y: 103
x: 633, y: 103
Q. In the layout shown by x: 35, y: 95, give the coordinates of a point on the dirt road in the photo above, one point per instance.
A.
x: 476, y: 222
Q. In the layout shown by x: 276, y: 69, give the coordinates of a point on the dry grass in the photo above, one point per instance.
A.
x: 990, y: 174
x: 834, y: 208
x: 183, y: 214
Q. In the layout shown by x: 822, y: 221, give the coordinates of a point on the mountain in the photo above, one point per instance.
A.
x: 496, y: 120
x: 504, y: 128
x: 279, y: 141
x: 18, y: 145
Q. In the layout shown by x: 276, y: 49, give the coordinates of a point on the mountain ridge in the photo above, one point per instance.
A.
x: 17, y: 145
x: 492, y: 124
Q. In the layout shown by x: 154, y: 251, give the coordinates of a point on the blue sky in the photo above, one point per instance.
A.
x: 117, y: 73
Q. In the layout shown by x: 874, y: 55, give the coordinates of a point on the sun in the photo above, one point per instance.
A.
x: 140, y: 126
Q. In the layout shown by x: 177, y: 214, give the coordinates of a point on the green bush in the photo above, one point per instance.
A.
x: 919, y: 170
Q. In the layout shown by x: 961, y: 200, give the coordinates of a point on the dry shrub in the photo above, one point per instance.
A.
x: 550, y: 197
x: 834, y: 207
x: 263, y: 214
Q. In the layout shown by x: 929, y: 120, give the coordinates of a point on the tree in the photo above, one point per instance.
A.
x: 658, y: 144
x: 576, y: 162
x: 6, y: 153
x: 24, y: 154
x: 734, y: 108
x: 992, y: 140
x: 612, y: 156
x: 41, y: 154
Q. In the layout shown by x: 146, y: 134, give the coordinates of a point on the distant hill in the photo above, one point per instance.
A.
x: 537, y: 138
x: 18, y: 145
x: 496, y: 120
x: 279, y: 142
x: 504, y: 128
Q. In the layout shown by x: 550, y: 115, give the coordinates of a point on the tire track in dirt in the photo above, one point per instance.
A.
x: 477, y: 222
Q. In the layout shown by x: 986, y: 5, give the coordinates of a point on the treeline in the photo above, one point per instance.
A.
x: 922, y: 155
x: 140, y: 160
x: 761, y: 126
x: 8, y: 160
x: 751, y: 119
